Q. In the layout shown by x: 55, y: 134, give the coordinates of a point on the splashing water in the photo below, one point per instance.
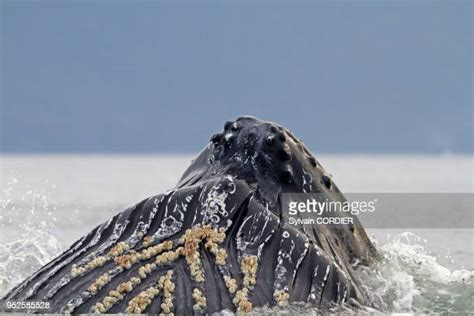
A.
x: 409, y: 279
x: 31, y: 214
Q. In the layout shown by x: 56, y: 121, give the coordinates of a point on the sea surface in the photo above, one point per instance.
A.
x: 49, y: 201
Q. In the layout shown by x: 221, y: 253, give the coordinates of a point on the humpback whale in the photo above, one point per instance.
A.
x: 220, y: 240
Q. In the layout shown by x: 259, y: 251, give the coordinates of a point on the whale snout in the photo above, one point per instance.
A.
x: 248, y: 135
x: 264, y: 146
x: 248, y: 145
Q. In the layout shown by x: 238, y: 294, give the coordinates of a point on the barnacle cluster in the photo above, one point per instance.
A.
x: 191, y: 240
x: 143, y: 271
x: 99, y: 261
x: 114, y: 296
x: 146, y: 269
x: 249, y: 266
x: 231, y: 284
x: 241, y: 300
x: 168, y: 256
x: 119, y: 249
x: 165, y: 282
x: 139, y: 303
x: 99, y: 283
x: 195, y: 266
x: 199, y: 299
x: 147, y: 241
x: 127, y: 260
x: 199, y: 233
x: 281, y: 297
x: 218, y: 252
x: 168, y: 251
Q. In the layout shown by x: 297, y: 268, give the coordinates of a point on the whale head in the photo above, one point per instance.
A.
x: 264, y: 154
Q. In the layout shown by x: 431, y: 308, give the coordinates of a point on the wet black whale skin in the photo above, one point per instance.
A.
x: 248, y: 166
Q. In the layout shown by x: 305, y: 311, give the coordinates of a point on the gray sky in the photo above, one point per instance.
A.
x: 150, y: 76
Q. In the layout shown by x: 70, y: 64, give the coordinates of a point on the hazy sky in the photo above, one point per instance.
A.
x: 151, y: 76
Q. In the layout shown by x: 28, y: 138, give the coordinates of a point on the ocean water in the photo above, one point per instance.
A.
x: 47, y: 202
